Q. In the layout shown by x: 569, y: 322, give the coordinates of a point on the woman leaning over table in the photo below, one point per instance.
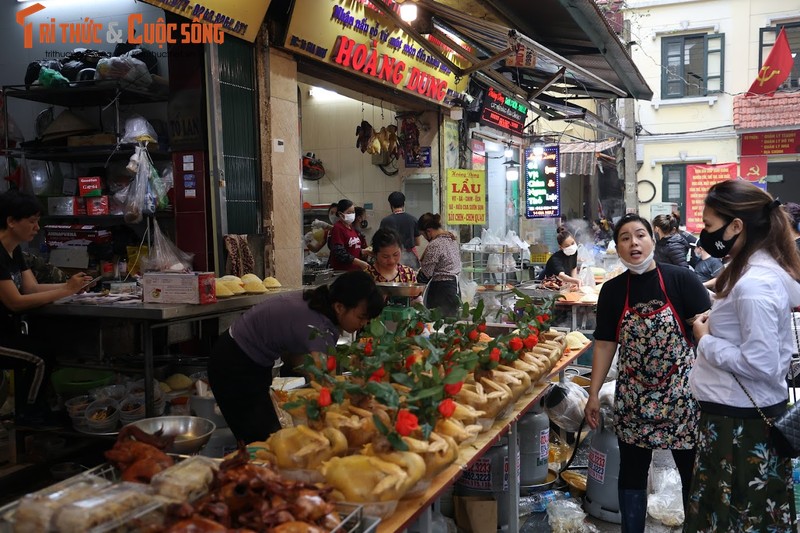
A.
x: 744, y: 350
x: 646, y: 311
x: 281, y: 328
x: 440, y: 265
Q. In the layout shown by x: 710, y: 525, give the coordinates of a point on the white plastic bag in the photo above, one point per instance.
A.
x: 566, y: 516
x: 165, y: 256
x: 494, y: 263
x: 565, y: 403
x: 468, y: 289
x: 586, y: 276
x: 665, y: 502
x: 138, y: 129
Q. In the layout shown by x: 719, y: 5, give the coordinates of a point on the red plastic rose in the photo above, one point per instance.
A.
x: 368, y: 349
x: 330, y: 364
x: 453, y: 388
x: 482, y: 327
x: 494, y: 355
x: 473, y: 335
x: 447, y: 407
x: 324, y: 397
x: 530, y: 341
x: 515, y: 344
x: 406, y: 422
x: 377, y: 375
x: 410, y: 360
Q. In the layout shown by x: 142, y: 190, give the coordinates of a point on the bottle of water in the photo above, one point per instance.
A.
x: 537, y: 502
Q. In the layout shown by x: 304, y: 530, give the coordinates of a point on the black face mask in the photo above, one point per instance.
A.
x: 713, y: 243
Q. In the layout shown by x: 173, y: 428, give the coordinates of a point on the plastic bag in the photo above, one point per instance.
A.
x: 514, y: 241
x: 125, y: 68
x: 566, y: 516
x: 586, y: 276
x: 165, y: 256
x: 490, y: 241
x: 468, y: 289
x: 138, y: 129
x: 665, y: 502
x: 494, y: 263
x: 564, y: 404
x: 135, y: 198
x: 52, y: 78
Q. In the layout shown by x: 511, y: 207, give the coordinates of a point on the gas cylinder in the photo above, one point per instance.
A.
x: 602, y: 500
x: 489, y: 475
x: 534, y: 446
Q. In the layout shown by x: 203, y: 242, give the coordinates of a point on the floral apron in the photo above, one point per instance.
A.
x: 653, y: 404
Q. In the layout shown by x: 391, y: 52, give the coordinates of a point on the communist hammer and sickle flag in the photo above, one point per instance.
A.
x: 775, y: 69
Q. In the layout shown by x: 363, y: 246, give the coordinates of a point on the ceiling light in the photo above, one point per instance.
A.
x: 408, y: 12
x: 323, y: 94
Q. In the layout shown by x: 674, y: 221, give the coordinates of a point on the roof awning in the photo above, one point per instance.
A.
x: 582, y: 157
x: 490, y: 39
x: 587, y: 146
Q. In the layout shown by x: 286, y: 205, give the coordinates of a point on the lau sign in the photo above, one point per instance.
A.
x: 466, y: 196
x: 542, y: 184
x: 356, y: 37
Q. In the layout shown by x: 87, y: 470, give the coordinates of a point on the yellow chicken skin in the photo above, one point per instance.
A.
x: 367, y: 478
x: 439, y: 452
x: 304, y: 448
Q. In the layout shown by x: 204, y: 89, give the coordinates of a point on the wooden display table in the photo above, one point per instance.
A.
x: 409, y: 510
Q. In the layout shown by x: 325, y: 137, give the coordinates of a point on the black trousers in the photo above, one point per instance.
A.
x: 634, y: 466
x: 241, y: 389
x: 443, y: 295
x: 25, y: 355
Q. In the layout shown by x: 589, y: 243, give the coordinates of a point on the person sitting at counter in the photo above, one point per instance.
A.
x: 281, y: 327
x: 564, y: 263
x: 440, y: 265
x: 344, y: 241
x: 20, y: 292
x: 386, y: 246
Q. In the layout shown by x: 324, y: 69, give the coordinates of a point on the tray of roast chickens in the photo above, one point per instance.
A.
x: 144, y: 489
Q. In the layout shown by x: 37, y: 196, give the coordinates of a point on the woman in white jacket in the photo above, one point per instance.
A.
x: 744, y: 350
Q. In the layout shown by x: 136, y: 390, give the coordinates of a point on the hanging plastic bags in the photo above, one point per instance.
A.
x: 165, y: 256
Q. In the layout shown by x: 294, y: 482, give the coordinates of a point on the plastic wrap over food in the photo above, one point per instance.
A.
x: 566, y: 516
x: 565, y: 404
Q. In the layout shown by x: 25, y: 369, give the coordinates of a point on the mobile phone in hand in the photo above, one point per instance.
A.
x: 92, y: 282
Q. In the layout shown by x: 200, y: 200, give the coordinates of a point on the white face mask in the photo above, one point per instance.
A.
x: 642, y: 267
x: 333, y: 218
x: 349, y: 217
x: 571, y: 249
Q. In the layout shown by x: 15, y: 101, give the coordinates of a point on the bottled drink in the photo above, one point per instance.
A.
x: 537, y: 502
x: 122, y: 268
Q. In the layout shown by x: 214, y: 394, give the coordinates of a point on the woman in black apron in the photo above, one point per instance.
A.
x: 440, y: 266
x: 646, y: 313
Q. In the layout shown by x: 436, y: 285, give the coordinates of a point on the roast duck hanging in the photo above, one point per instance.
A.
x: 375, y: 142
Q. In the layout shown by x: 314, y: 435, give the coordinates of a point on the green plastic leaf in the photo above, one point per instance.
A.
x: 396, y: 442
x: 403, y: 379
x: 376, y: 328
x: 384, y: 392
x: 292, y: 405
x: 426, y: 393
x: 456, y: 374
x: 380, y: 425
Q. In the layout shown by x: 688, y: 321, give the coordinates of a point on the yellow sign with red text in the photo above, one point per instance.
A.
x: 353, y: 35
x: 242, y: 19
x: 466, y: 196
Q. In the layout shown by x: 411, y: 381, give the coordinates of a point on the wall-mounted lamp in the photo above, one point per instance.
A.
x: 512, y: 170
x: 508, y: 152
x: 408, y: 10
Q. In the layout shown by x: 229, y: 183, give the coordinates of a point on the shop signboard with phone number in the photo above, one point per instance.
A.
x: 542, y: 183
x: 503, y: 112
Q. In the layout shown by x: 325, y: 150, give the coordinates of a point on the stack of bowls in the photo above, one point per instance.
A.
x: 131, y: 409
x: 102, y: 416
x: 136, y: 390
x: 115, y: 392
x: 76, y: 409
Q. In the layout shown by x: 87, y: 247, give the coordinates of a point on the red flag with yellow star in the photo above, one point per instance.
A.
x: 776, y: 68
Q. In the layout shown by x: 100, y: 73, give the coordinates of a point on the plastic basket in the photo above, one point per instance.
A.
x: 76, y: 381
x: 540, y: 258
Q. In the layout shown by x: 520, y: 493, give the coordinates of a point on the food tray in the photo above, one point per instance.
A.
x: 411, y: 290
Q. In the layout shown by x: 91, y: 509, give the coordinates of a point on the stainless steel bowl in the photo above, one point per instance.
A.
x: 410, y: 290
x: 191, y: 432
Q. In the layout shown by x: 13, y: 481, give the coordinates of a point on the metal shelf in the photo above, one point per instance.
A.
x: 88, y: 93
x: 80, y: 154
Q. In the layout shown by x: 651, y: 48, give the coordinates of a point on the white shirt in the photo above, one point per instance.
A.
x: 750, y: 336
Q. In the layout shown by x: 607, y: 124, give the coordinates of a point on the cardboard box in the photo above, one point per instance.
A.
x: 75, y: 234
x: 96, y: 205
x: 90, y: 186
x: 179, y: 288
x: 65, y: 206
x: 98, y: 139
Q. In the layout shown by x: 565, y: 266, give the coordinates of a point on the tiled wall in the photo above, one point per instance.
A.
x: 329, y: 130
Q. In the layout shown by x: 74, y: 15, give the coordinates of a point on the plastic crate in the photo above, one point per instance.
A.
x: 540, y: 258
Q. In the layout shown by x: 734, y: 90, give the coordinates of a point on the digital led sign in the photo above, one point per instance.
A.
x: 503, y: 112
x: 542, y: 183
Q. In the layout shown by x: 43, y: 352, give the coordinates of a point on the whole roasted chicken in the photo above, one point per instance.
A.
x: 374, y: 477
x: 139, y: 455
x: 304, y: 448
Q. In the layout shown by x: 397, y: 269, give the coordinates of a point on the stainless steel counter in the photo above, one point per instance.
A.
x: 154, y: 316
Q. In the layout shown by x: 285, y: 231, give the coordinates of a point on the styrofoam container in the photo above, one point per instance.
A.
x: 207, y: 407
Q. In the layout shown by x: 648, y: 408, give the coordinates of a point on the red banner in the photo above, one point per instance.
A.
x: 753, y: 168
x: 771, y: 143
x: 700, y: 178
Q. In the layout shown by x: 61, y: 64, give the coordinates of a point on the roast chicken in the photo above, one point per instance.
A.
x: 304, y: 448
x: 371, y: 478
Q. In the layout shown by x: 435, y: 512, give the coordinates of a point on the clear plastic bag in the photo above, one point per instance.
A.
x: 138, y: 129
x: 127, y: 68
x: 135, y: 197
x: 564, y: 404
x: 665, y: 502
x: 468, y: 289
x: 165, y: 256
x: 566, y: 516
x: 586, y: 276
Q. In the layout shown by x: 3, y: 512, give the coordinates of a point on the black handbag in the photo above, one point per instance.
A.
x: 784, y: 430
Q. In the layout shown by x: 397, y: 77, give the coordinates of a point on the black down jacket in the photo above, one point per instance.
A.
x: 672, y: 249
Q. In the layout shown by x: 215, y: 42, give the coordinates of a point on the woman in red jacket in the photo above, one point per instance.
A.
x: 344, y: 241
